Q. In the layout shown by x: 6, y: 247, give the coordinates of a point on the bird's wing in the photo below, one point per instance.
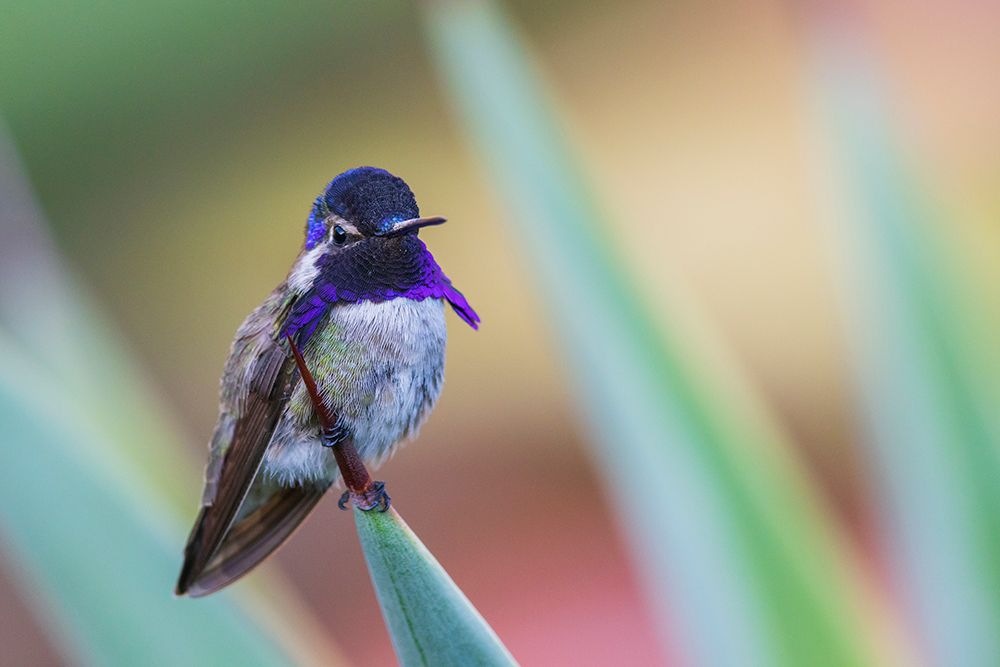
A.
x: 255, y: 536
x: 234, y: 468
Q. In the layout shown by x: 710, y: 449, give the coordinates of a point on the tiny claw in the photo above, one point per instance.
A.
x: 376, y: 497
x: 384, y: 499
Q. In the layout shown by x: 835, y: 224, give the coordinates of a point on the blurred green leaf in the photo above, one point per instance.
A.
x: 742, y: 560
x: 53, y: 318
x: 430, y: 620
x: 68, y: 65
x: 104, y: 544
x: 922, y: 371
x: 101, y: 558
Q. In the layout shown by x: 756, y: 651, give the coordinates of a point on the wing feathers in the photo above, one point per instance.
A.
x: 265, y: 399
x: 255, y: 537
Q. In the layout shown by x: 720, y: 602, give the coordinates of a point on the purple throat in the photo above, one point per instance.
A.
x: 370, y: 273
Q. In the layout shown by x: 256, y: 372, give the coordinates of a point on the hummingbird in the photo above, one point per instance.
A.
x: 364, y: 302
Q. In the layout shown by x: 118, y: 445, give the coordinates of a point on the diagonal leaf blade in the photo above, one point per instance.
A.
x: 730, y: 539
x: 101, y: 558
x: 69, y: 384
x: 430, y: 620
x: 928, y: 414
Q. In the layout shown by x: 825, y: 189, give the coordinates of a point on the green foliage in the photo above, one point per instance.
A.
x: 430, y: 620
x: 923, y: 373
x: 731, y: 539
x: 742, y: 562
x: 94, y: 499
x: 99, y: 554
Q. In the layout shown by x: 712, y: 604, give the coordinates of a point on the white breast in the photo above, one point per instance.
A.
x: 413, y: 330
x: 398, y: 354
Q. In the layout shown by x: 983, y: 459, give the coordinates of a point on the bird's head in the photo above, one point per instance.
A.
x: 361, y: 245
x: 364, y: 209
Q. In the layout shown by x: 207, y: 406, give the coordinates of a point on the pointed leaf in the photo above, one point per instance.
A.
x: 430, y: 620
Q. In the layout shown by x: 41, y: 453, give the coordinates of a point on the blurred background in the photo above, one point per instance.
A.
x: 174, y: 150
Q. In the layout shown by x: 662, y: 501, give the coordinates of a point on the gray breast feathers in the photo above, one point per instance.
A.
x: 380, y: 367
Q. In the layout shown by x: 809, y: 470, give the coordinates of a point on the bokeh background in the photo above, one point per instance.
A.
x: 175, y: 148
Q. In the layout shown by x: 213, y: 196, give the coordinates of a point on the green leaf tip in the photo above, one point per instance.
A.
x: 430, y: 620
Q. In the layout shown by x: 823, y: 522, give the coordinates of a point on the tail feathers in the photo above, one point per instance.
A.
x: 249, y: 541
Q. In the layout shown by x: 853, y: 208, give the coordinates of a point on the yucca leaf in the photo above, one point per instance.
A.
x: 67, y: 382
x: 52, y: 318
x: 430, y: 620
x: 734, y: 546
x: 101, y: 560
x: 931, y: 418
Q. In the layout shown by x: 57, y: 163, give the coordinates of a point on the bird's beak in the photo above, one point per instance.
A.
x: 404, y: 226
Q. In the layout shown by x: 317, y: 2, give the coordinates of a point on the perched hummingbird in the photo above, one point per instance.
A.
x: 364, y: 302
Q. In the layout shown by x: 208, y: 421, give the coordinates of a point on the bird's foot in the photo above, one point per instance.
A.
x: 376, y: 497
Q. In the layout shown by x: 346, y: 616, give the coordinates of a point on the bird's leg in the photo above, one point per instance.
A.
x: 365, y: 493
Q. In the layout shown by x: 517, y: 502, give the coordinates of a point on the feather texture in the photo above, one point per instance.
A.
x: 406, y: 269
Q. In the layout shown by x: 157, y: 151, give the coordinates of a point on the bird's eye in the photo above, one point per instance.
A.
x: 339, y: 235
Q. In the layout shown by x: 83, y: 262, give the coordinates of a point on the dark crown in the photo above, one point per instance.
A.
x: 372, y: 199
